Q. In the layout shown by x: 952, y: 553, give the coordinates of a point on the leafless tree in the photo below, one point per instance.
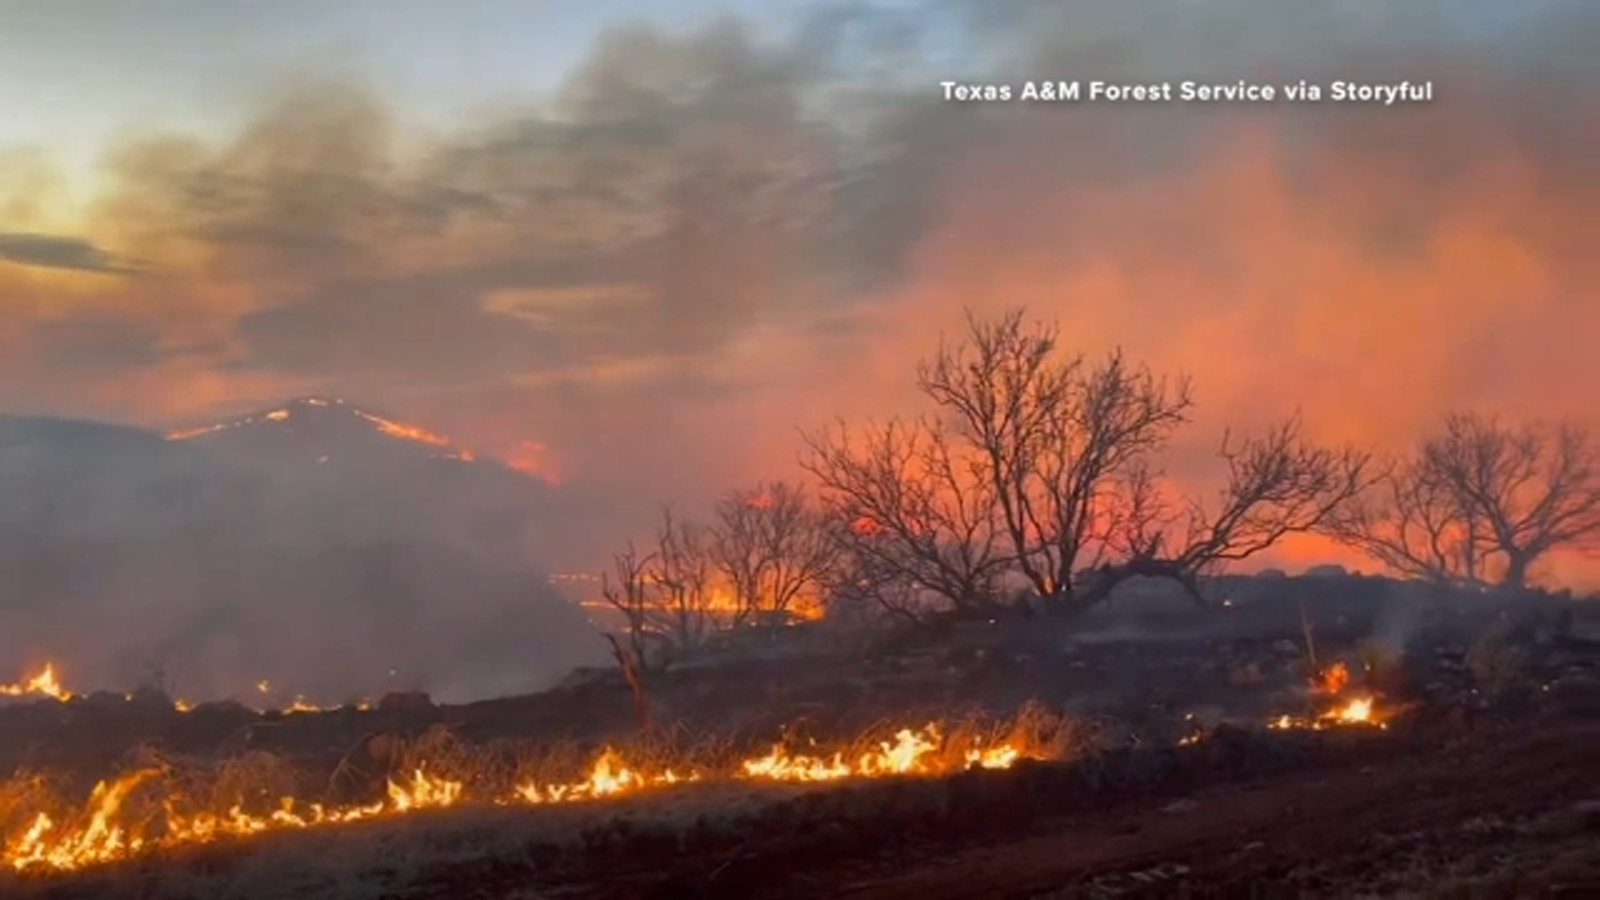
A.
x: 1278, y: 484
x: 1484, y: 500
x: 1054, y: 435
x: 773, y: 548
x: 627, y: 589
x: 919, y: 517
x: 681, y: 573
x: 865, y: 578
x: 1413, y: 523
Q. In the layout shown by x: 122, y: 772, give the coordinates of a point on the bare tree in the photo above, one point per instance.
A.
x: 1278, y: 484
x: 1415, y: 524
x: 919, y: 516
x: 1486, y: 500
x: 627, y: 589
x: 1054, y: 435
x: 773, y: 548
x: 864, y: 577
x: 681, y: 572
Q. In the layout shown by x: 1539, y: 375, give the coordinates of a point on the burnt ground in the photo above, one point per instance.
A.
x: 1492, y: 809
x: 1484, y: 784
x: 1508, y: 811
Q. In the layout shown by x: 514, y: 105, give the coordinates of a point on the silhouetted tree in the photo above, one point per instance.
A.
x: 1278, y: 484
x: 772, y: 547
x: 918, y: 518
x: 627, y: 589
x: 681, y: 571
x: 1052, y: 435
x: 1043, y: 468
x: 1482, y: 501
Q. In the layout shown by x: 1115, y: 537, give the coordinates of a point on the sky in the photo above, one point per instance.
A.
x: 659, y: 237
x: 81, y: 73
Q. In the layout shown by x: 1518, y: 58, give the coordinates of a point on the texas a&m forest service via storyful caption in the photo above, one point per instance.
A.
x: 1386, y: 94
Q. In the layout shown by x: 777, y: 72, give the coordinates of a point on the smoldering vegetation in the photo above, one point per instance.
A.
x: 646, y: 267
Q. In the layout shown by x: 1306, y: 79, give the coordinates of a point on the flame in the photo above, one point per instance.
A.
x: 101, y: 833
x: 902, y: 757
x: 536, y: 459
x: 403, y: 431
x: 44, y: 684
x: 529, y: 457
x: 1334, y: 679
x: 424, y: 792
x: 609, y: 776
x: 1356, y: 711
x: 187, y: 433
x: 98, y: 840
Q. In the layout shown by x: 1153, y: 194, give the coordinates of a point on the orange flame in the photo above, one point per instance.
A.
x: 1335, y: 679
x: 101, y: 833
x: 44, y: 684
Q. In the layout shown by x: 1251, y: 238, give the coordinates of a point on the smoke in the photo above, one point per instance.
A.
x: 703, y: 240
x: 205, y: 568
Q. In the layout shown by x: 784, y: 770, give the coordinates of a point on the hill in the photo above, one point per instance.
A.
x: 358, y: 543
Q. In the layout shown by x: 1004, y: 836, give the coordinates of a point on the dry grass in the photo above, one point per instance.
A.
x: 373, y: 857
x: 381, y: 858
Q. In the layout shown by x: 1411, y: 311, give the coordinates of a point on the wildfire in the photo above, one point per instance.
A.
x: 44, y: 684
x: 404, y: 431
x: 610, y: 776
x: 1355, y: 711
x: 47, y: 683
x: 104, y: 832
x: 1359, y: 710
x: 1334, y: 679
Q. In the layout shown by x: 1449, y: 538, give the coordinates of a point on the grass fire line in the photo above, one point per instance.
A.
x: 142, y: 811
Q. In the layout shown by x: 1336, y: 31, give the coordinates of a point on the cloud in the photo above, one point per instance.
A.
x: 706, y: 239
x: 55, y: 252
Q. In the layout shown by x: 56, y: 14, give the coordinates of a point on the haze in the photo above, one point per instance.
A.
x: 649, y: 250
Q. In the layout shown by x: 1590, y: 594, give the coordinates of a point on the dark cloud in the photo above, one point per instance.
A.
x: 48, y: 251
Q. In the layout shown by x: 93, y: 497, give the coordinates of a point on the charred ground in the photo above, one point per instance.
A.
x: 1479, y: 777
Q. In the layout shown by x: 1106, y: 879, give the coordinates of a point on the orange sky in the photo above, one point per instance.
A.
x: 1371, y: 267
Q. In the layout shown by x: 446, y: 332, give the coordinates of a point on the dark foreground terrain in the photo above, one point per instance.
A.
x: 1501, y: 810
x: 1482, y: 781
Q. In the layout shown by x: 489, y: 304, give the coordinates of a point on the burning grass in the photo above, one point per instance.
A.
x: 1341, y: 707
x: 160, y: 805
x: 45, y: 684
